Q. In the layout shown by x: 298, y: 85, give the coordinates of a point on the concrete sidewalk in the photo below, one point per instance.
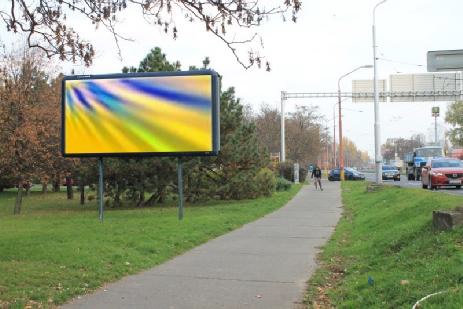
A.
x: 264, y: 264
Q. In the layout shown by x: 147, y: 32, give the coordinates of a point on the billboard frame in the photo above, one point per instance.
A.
x: 215, y: 101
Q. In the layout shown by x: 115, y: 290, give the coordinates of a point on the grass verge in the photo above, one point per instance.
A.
x: 57, y: 249
x: 386, y: 254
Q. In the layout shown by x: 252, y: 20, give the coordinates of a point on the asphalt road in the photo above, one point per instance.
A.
x: 412, y: 184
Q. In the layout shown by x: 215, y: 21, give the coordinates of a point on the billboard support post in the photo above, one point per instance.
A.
x: 100, y: 187
x: 180, y: 188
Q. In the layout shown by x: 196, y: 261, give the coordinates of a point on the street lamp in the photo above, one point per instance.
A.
x: 378, y: 159
x: 334, y: 135
x: 282, y: 129
x: 334, y: 130
x: 341, y: 154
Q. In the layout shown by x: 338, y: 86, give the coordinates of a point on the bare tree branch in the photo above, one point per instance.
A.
x: 46, y: 26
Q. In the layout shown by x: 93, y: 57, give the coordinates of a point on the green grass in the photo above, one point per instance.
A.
x: 57, y: 249
x: 388, y: 236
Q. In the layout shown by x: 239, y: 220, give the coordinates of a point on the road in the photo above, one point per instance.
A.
x: 412, y: 184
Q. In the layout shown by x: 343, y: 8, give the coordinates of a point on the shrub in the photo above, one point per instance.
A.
x: 287, y: 170
x: 283, y: 184
x: 302, y: 174
x: 241, y: 186
x: 265, y: 181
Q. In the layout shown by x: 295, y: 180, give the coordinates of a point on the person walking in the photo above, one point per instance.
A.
x: 317, y: 175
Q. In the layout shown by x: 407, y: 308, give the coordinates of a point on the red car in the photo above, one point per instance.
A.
x: 442, y: 172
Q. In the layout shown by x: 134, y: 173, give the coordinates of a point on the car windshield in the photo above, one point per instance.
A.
x: 429, y: 152
x: 446, y: 163
x: 389, y: 168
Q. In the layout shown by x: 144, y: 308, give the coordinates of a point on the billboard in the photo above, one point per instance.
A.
x: 141, y: 114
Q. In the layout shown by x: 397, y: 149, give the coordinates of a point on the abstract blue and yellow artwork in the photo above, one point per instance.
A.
x: 142, y: 114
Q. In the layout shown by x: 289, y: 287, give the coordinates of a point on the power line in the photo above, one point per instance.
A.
x: 400, y: 62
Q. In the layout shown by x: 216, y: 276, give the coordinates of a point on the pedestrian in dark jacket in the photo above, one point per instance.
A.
x: 317, y: 175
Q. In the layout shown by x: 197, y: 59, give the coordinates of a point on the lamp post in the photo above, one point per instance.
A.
x: 282, y: 128
x: 378, y: 159
x: 334, y: 135
x: 341, y: 154
x: 327, y: 150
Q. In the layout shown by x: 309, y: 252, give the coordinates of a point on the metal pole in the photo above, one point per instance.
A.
x: 435, y: 129
x: 327, y: 147
x: 341, y: 153
x: 180, y: 188
x: 378, y: 159
x: 100, y: 188
x: 334, y: 136
x: 282, y: 131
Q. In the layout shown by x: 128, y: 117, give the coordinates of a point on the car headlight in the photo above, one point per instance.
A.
x: 437, y: 174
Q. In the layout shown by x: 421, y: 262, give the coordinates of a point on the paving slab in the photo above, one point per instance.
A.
x: 264, y: 264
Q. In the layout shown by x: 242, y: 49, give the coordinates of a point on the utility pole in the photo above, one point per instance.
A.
x: 282, y: 130
x: 327, y: 147
x: 334, y: 136
x: 341, y: 149
x: 378, y: 159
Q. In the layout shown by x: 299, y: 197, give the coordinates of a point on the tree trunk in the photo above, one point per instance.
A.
x: 151, y: 201
x: 69, y: 190
x: 44, y: 185
x: 28, y: 188
x: 19, y: 199
x: 117, y: 196
x: 141, y: 198
x: 44, y: 188
x: 82, y: 190
x: 56, y: 183
x: 161, y: 195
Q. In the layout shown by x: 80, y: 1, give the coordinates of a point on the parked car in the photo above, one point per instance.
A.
x: 391, y: 172
x: 442, y: 172
x: 349, y: 174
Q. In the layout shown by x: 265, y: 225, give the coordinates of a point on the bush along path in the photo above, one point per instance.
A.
x: 385, y: 253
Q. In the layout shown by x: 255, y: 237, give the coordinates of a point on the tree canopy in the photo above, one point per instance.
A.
x: 30, y: 145
x: 401, y: 146
x: 454, y: 116
x: 303, y: 133
x: 46, y: 22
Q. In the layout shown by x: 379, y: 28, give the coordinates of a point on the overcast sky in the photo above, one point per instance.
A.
x: 330, y: 38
